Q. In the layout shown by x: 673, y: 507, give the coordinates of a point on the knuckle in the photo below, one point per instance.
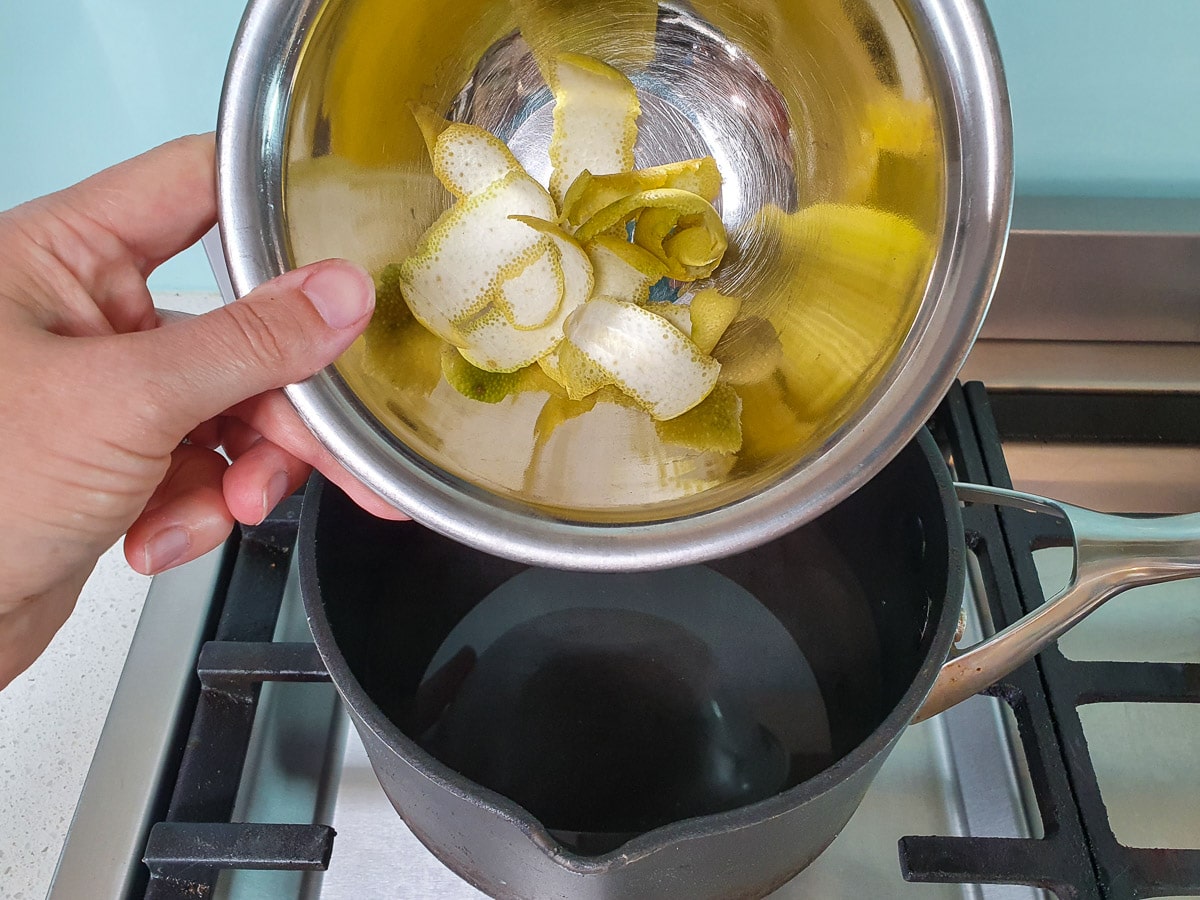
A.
x: 259, y: 335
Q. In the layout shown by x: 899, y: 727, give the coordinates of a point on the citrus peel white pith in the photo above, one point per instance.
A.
x: 646, y: 356
x: 595, y: 119
x: 513, y: 275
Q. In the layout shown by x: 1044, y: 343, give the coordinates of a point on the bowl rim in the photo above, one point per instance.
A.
x: 973, y: 108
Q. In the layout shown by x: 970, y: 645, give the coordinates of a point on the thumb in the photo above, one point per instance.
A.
x: 282, y: 332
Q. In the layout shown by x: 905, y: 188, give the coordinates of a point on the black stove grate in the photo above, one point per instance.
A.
x: 1059, y: 861
x: 1079, y: 857
x: 186, y: 852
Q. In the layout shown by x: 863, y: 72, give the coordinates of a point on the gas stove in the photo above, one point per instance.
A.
x: 227, y: 768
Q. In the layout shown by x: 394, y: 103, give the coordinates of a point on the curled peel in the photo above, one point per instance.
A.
x: 468, y: 159
x: 712, y: 314
x: 531, y: 297
x: 500, y: 277
x: 493, y: 343
x: 694, y: 246
x: 577, y: 372
x: 678, y: 314
x: 622, y: 269
x: 595, y: 119
x: 643, y: 354
x: 464, y: 255
x: 491, y: 285
x: 673, y: 225
x: 590, y: 193
x: 653, y: 226
x: 704, y: 319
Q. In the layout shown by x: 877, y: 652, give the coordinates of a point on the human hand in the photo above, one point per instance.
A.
x: 110, y: 416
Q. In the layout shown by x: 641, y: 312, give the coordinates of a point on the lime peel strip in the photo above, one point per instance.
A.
x: 531, y: 298
x: 646, y: 356
x: 463, y: 257
x: 595, y: 119
x: 622, y: 269
x: 468, y: 159
x: 590, y: 193
x: 657, y: 212
x: 493, y: 344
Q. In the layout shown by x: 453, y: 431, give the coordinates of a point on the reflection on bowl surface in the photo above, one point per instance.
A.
x: 820, y: 119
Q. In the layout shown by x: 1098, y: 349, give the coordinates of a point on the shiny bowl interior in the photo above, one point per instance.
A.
x: 838, y: 127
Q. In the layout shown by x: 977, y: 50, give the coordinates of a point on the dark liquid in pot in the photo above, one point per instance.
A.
x: 608, y: 705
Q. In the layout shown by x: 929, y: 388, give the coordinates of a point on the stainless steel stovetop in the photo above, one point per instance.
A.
x: 959, y: 773
x: 1113, y: 311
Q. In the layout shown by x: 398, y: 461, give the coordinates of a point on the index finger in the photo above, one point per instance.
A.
x: 156, y: 204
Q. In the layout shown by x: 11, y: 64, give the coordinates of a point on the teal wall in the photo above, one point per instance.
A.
x: 1105, y: 93
x: 88, y: 83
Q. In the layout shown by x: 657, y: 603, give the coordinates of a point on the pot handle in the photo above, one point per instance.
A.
x: 1112, y: 554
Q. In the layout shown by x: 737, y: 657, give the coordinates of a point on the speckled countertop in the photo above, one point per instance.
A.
x: 51, y: 716
x: 50, y: 720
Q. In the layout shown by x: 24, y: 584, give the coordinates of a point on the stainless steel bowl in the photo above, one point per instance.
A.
x: 893, y: 110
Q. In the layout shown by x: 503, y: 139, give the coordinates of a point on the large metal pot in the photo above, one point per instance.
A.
x: 318, y: 157
x: 547, y: 757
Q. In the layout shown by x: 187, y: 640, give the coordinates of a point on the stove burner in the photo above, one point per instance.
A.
x: 1079, y: 857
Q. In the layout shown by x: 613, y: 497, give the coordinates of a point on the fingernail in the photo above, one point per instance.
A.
x: 274, y: 492
x: 165, y: 549
x: 341, y: 292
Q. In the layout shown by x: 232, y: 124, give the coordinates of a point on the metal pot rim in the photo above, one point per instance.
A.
x: 973, y: 107
x: 940, y: 637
